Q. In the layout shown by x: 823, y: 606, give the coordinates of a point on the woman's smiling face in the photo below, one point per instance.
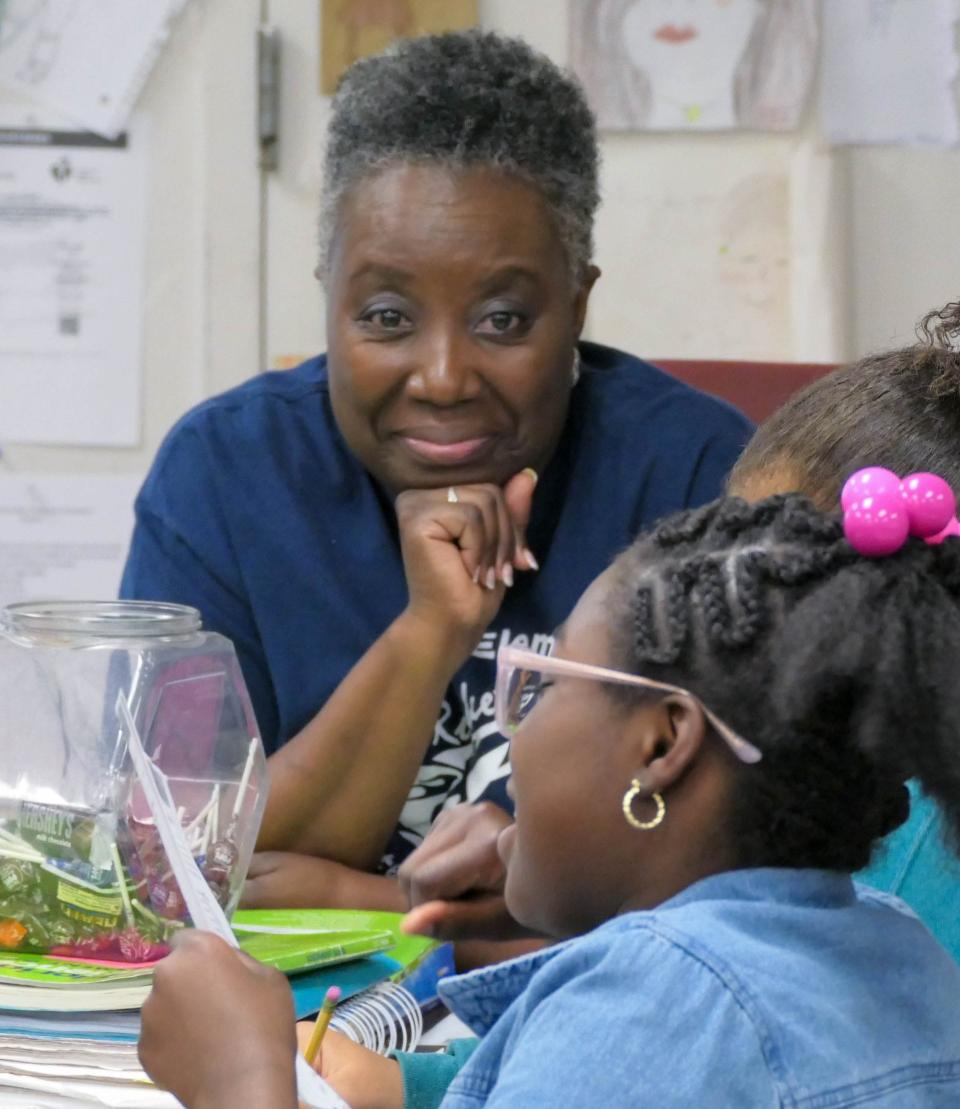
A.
x: 452, y: 320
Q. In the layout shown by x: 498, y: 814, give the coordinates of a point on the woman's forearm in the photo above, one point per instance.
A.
x: 337, y: 788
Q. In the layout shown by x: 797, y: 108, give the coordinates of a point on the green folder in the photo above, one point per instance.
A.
x: 380, y: 929
x: 405, y: 959
x: 295, y: 940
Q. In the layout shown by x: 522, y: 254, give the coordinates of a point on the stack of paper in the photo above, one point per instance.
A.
x: 69, y: 1028
x: 60, y: 1059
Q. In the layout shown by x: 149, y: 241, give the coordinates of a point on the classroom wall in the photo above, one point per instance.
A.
x: 201, y: 289
x: 856, y: 243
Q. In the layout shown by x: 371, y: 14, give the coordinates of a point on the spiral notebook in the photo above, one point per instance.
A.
x: 384, y: 994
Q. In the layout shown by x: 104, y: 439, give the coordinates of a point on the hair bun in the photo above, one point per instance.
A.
x: 939, y: 349
x: 941, y: 327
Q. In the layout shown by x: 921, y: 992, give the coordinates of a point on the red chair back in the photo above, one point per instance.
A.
x: 758, y: 389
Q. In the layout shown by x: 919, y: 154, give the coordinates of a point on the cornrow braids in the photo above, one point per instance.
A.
x: 840, y: 669
x: 675, y: 619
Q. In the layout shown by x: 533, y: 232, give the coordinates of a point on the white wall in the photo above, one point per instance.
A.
x: 904, y: 216
x: 867, y: 242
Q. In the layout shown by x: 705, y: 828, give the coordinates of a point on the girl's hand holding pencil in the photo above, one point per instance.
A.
x: 362, y: 1078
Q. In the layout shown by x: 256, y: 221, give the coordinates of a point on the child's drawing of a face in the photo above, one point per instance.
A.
x: 688, y: 48
x: 754, y: 255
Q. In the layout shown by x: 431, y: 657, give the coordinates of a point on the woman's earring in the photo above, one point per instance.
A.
x: 628, y: 798
x: 575, y: 368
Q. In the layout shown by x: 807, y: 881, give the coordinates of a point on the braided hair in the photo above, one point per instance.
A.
x: 842, y: 670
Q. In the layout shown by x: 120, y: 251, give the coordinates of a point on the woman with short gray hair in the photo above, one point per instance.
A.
x: 370, y: 527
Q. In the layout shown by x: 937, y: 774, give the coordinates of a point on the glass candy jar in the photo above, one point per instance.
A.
x: 82, y: 870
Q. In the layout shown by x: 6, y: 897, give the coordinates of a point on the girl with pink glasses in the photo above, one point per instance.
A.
x: 723, y: 733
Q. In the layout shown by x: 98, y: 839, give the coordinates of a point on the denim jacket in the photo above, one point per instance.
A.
x: 749, y: 989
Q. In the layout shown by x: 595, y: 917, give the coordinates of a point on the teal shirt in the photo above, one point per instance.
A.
x: 427, y: 1075
x: 915, y: 863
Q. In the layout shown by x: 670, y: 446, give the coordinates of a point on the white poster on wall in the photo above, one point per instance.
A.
x: 71, y: 272
x: 64, y: 536
x: 700, y: 65
x: 888, y: 72
x: 87, y: 59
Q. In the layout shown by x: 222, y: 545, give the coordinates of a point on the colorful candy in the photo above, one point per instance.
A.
x: 83, y: 884
x: 11, y: 933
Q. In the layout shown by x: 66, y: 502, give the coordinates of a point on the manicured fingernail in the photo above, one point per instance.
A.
x: 531, y: 561
x: 491, y: 579
x: 533, y: 473
x: 507, y: 575
x: 476, y: 576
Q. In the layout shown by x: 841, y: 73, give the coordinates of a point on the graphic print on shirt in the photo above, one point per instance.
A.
x: 468, y: 759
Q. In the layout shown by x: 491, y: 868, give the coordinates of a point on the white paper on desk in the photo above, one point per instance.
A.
x: 38, y: 1092
x: 85, y: 58
x: 71, y: 274
x: 887, y: 72
x: 64, y: 536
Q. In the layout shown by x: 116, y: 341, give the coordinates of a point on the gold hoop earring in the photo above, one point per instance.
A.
x: 628, y: 798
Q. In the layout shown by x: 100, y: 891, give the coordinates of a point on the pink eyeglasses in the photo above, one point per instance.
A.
x: 519, y: 685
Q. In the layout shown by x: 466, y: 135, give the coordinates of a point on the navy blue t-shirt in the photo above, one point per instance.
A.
x: 257, y: 513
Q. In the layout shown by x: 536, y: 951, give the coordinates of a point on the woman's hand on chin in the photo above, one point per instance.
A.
x: 460, y: 555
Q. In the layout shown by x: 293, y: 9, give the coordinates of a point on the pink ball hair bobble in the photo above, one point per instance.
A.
x: 877, y: 524
x: 953, y: 528
x: 866, y: 482
x: 880, y: 510
x: 930, y: 502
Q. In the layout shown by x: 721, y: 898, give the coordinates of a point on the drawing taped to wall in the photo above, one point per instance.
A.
x: 889, y: 69
x: 753, y: 257
x: 40, y: 23
x: 708, y: 254
x: 352, y: 29
x: 699, y: 65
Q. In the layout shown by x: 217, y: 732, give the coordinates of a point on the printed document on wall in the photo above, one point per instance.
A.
x: 888, y: 70
x: 85, y: 58
x: 64, y: 536
x: 71, y: 270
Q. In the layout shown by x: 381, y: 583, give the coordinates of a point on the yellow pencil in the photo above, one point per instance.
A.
x: 323, y: 1019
